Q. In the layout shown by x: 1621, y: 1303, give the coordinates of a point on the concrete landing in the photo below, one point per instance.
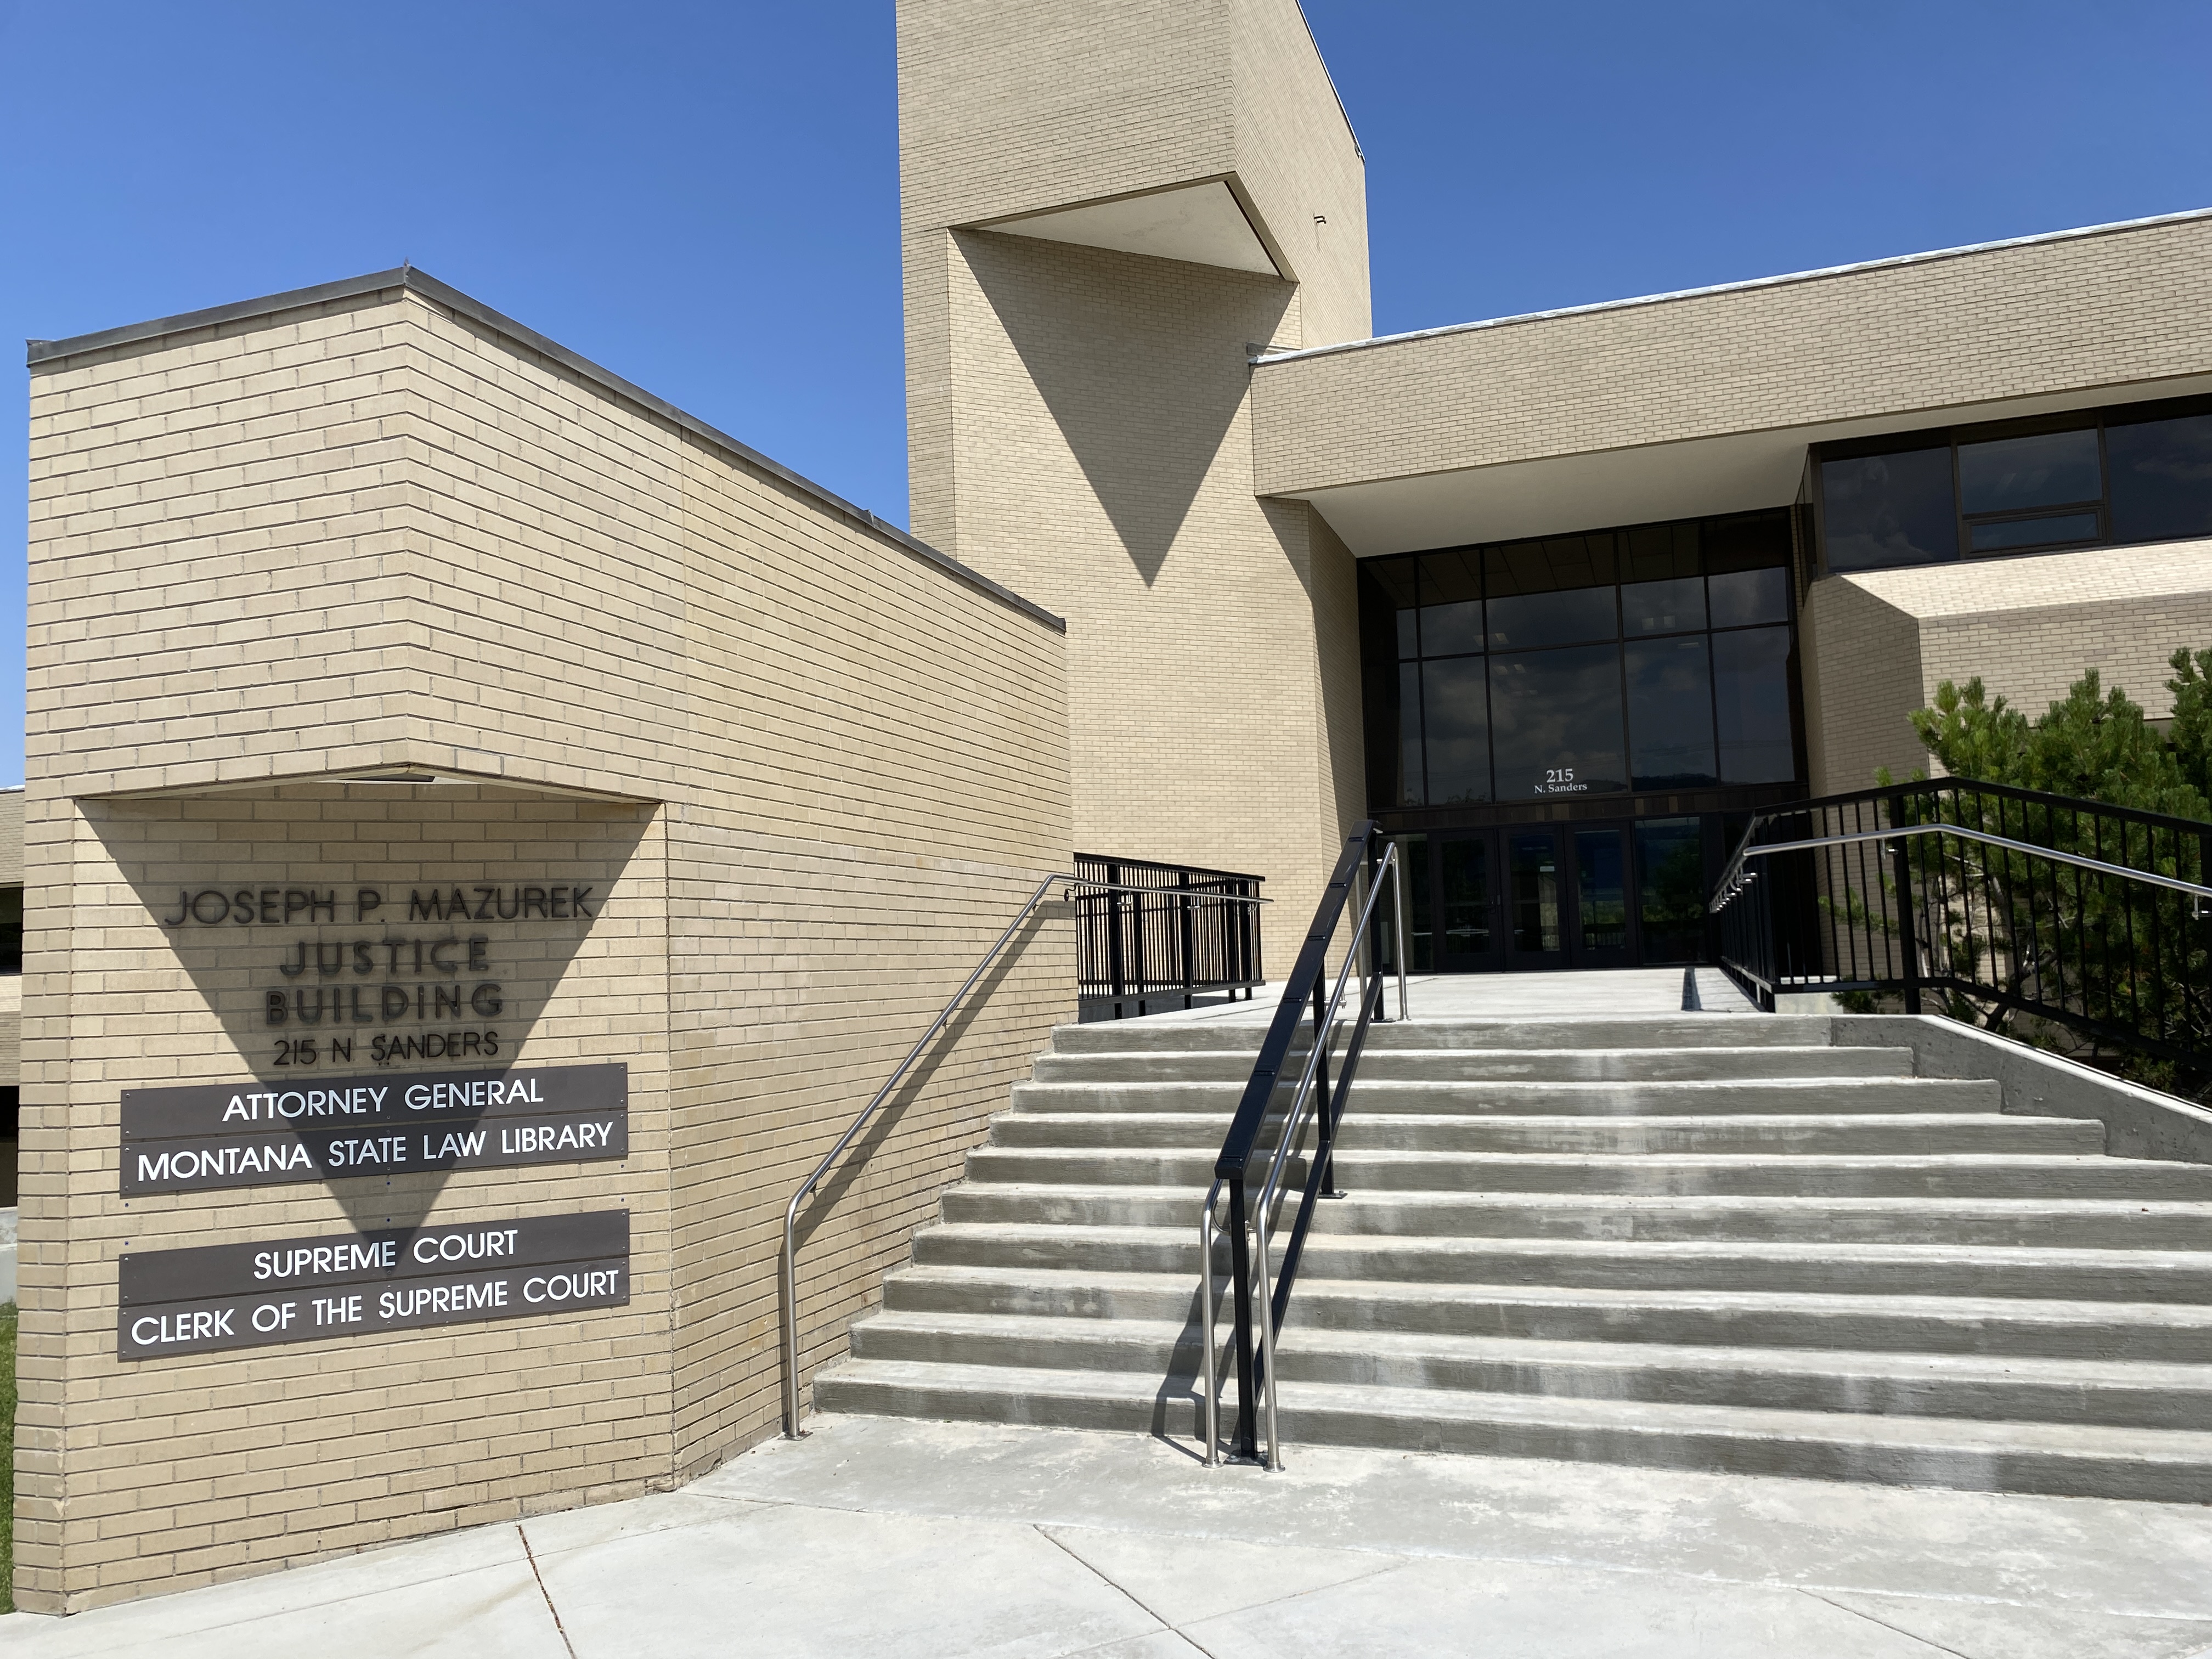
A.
x: 881, y: 1537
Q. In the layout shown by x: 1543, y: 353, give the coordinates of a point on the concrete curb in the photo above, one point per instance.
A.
x: 2139, y: 1122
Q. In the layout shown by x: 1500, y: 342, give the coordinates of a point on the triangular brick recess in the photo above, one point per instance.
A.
x: 1706, y: 1242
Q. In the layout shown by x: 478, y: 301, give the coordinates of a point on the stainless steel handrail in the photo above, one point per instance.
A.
x: 1738, y: 882
x: 790, y: 1335
x: 1271, y: 1189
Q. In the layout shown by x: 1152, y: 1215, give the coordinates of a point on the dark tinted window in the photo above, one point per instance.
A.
x: 1659, y: 552
x: 1889, y: 510
x: 2134, y: 472
x: 2048, y: 468
x: 1410, y: 792
x: 1747, y: 562
x: 1558, y: 591
x: 1751, y: 697
x: 1663, y: 607
x: 1670, y: 713
x: 1451, y: 603
x: 1456, y: 703
x: 1536, y: 619
x: 2013, y: 535
x: 1744, y: 597
x: 2161, y: 478
x: 1444, y: 728
x: 1556, y: 724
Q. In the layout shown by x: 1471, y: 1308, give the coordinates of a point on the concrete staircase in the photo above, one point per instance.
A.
x: 1704, y: 1240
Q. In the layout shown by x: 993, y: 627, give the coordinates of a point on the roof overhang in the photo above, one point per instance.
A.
x: 1559, y: 494
x: 1204, y: 223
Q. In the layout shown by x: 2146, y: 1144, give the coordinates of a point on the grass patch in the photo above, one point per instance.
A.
x: 7, y: 1457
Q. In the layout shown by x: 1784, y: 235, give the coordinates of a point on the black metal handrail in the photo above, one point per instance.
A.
x: 1152, y: 931
x: 1264, y: 1134
x: 1996, y: 903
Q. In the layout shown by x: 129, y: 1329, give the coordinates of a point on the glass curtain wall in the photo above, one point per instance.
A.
x: 1654, y: 658
x: 2139, y: 472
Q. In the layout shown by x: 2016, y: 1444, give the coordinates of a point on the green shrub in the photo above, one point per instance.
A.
x: 2093, y: 744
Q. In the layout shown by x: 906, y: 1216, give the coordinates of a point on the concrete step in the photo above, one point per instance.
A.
x: 1698, y: 1241
x: 2081, y: 1458
x: 1820, y: 1268
x: 1629, y: 1032
x: 1097, y: 1166
x: 2059, y: 1223
x: 1505, y: 1065
x: 1828, y: 1176
x: 2131, y: 1331
x: 1857, y: 1134
x: 1020, y: 1203
x: 1217, y: 1100
x: 1747, y: 1031
x: 2152, y: 1396
x: 1962, y: 1175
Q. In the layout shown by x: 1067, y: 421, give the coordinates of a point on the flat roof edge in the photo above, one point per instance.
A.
x: 1824, y: 272
x: 39, y: 352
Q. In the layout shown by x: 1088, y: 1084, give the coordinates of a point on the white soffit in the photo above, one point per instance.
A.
x: 1200, y: 224
x: 1559, y: 495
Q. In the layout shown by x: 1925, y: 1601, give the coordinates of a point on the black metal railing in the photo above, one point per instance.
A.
x: 1157, y: 931
x: 1256, y: 1164
x: 2067, y: 923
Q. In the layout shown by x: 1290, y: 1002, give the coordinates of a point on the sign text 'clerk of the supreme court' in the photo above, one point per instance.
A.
x: 302, y: 1289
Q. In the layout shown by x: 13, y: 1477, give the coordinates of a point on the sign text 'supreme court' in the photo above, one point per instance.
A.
x: 304, y: 1290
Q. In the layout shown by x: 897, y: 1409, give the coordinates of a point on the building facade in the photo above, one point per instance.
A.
x: 1560, y: 598
x: 420, y: 711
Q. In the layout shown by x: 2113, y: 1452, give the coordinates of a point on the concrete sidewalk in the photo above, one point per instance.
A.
x: 879, y: 1537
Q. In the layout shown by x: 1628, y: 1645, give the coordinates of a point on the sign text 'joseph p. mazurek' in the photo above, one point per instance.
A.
x: 303, y: 1290
x: 403, y: 981
x: 250, y: 1134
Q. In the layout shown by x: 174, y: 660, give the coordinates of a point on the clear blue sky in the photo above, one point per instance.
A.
x: 704, y: 197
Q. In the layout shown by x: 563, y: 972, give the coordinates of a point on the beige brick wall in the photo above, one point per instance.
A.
x: 1101, y: 469
x: 2122, y: 307
x: 1078, y: 422
x: 387, y: 530
x: 12, y: 837
x: 1015, y: 107
x: 167, y: 1473
x: 1297, y: 156
x: 1009, y: 107
x: 1879, y: 644
x: 1859, y: 659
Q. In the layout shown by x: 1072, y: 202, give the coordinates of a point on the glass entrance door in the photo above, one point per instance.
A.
x: 1566, y: 896
x: 1536, y: 899
x: 1603, y: 932
x: 1467, y: 902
